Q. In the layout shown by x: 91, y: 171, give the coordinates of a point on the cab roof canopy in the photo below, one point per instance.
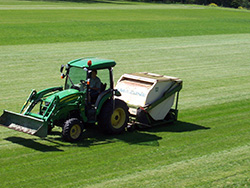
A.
x: 96, y: 63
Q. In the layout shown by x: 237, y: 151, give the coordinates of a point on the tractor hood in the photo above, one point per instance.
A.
x: 67, y: 95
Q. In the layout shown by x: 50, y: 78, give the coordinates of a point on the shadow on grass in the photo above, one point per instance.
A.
x: 93, y: 136
x: 31, y: 143
x: 96, y: 137
x: 178, y: 126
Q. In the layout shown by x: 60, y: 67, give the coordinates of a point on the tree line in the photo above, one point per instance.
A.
x: 223, y: 3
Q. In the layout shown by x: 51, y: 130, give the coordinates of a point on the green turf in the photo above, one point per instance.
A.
x: 41, y: 24
x: 208, y: 147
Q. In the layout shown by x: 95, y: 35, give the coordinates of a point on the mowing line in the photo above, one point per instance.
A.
x: 206, y: 165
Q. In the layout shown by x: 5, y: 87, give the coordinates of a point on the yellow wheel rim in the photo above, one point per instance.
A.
x: 75, y: 131
x: 118, y: 118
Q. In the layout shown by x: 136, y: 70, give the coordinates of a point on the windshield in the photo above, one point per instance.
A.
x: 75, y: 75
x: 78, y: 74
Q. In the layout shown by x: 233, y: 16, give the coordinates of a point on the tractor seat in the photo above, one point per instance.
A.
x: 100, y: 96
x: 103, y: 87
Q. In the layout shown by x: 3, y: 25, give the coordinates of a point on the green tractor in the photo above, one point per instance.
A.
x: 71, y: 106
x: 140, y: 100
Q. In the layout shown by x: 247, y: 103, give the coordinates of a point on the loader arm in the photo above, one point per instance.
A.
x: 35, y: 97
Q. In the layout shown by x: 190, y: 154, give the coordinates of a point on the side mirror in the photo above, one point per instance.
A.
x: 61, y: 69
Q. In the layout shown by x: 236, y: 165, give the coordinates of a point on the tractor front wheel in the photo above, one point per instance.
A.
x: 114, y: 116
x: 72, y: 130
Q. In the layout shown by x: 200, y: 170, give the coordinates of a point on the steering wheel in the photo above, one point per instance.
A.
x: 75, y: 87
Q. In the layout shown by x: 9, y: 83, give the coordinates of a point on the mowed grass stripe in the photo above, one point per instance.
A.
x: 207, y: 163
x: 211, y: 166
x: 52, y: 26
x: 214, y: 106
x: 207, y: 147
x: 105, y: 5
x: 209, y: 65
x: 175, y: 147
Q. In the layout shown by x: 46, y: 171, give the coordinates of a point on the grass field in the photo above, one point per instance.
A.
x: 206, y: 47
x: 41, y: 23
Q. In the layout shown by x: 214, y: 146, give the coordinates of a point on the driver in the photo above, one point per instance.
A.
x: 95, y: 85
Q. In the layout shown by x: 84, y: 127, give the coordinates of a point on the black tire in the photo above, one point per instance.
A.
x: 113, y: 121
x: 50, y: 127
x: 72, y: 130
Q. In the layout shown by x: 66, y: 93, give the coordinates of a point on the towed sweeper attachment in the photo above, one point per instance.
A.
x: 150, y: 97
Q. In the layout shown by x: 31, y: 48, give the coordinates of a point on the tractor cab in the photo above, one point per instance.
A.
x: 78, y: 75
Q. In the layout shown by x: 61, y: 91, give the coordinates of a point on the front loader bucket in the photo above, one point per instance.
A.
x: 24, y: 123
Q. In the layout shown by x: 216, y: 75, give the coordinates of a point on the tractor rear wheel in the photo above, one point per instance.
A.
x: 114, y: 116
x: 72, y: 130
